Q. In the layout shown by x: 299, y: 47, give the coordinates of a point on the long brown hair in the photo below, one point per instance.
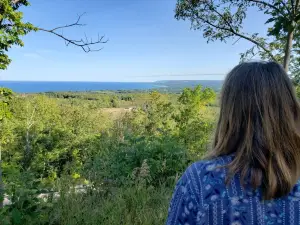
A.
x: 259, y: 123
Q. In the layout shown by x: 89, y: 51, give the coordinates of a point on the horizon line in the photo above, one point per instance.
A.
x: 185, y: 75
x: 106, y: 81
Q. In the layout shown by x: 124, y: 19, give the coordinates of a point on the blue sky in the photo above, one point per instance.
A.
x: 146, y: 43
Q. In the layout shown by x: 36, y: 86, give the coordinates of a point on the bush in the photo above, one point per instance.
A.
x: 155, y: 160
x: 130, y: 164
x: 26, y: 207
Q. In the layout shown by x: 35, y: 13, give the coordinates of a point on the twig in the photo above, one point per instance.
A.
x: 286, y: 7
x: 240, y: 35
x: 236, y: 41
x: 229, y: 28
x: 84, y: 44
x: 71, y: 25
x: 269, y: 5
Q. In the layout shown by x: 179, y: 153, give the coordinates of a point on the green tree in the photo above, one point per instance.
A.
x: 159, y: 113
x: 12, y: 28
x: 193, y: 103
x: 223, y: 20
x: 5, y: 97
x: 193, y: 126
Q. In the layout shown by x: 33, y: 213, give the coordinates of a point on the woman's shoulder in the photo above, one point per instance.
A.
x: 207, y: 179
x: 216, y: 166
x: 202, y: 184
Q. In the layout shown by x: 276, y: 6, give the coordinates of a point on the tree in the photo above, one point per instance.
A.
x: 12, y: 28
x: 159, y: 112
x: 223, y: 20
x: 5, y: 97
x: 193, y: 127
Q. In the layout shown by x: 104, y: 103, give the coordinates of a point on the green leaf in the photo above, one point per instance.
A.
x: 16, y: 216
x: 12, y: 28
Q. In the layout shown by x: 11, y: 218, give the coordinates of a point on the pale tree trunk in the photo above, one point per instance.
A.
x: 28, y: 152
x: 289, y: 40
x: 27, y: 149
x: 288, y: 48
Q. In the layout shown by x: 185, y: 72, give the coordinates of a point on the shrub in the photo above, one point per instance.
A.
x: 163, y: 156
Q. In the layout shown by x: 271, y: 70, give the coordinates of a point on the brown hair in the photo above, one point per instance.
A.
x: 258, y: 123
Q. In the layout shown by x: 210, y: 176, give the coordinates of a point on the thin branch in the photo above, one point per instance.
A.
x: 254, y: 55
x: 84, y: 44
x: 223, y: 18
x: 236, y: 41
x: 269, y: 5
x: 241, y: 36
x: 233, y: 31
x: 29, y: 121
x: 257, y: 43
x: 71, y: 25
x: 284, y: 4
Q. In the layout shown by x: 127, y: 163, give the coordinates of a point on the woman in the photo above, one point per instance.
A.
x: 251, y: 177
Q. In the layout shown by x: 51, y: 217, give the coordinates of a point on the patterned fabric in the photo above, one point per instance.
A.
x: 202, y: 197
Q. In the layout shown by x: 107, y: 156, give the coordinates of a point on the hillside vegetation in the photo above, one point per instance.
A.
x: 99, y: 158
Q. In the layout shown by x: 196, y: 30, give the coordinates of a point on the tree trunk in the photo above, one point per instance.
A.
x: 27, y: 156
x: 287, y: 53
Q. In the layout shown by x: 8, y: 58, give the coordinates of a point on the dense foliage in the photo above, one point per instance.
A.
x: 12, y: 28
x: 95, y: 164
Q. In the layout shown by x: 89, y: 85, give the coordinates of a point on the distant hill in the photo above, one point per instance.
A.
x: 178, y: 85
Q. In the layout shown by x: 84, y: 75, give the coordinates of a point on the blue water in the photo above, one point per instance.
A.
x: 44, y: 86
x: 41, y: 86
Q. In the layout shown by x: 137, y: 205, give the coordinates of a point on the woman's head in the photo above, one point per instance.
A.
x: 259, y: 122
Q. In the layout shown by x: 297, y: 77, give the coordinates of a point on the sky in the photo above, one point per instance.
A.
x: 146, y: 43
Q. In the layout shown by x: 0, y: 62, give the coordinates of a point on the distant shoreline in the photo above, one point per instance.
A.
x: 77, y: 86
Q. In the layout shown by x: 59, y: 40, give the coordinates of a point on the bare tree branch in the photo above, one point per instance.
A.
x: 71, y: 25
x: 84, y: 44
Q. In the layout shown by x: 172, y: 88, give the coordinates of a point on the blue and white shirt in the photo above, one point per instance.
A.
x: 202, y: 197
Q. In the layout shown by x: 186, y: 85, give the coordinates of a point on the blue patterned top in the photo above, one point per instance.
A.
x: 202, y: 197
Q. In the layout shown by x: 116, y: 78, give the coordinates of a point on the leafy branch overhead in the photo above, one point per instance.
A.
x: 12, y: 28
x: 223, y: 20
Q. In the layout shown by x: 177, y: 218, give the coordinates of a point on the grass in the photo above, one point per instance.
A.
x: 115, y: 113
x: 123, y: 206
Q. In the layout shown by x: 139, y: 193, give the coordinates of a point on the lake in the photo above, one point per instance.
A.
x: 58, y: 86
